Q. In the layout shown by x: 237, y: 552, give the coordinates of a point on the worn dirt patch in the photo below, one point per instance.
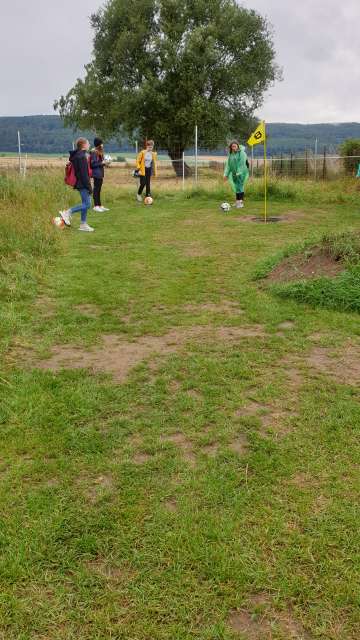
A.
x: 171, y: 505
x: 211, y: 450
x: 284, y: 326
x: 239, y: 445
x: 46, y: 306
x: 251, y: 409
x: 106, y: 569
x: 95, y: 487
x: 141, y: 458
x: 188, y: 249
x: 225, y: 307
x: 195, y: 250
x: 342, y: 364
x: 117, y: 357
x: 184, y: 444
x: 302, y: 267
x: 258, y: 620
x: 278, y: 422
x: 89, y: 310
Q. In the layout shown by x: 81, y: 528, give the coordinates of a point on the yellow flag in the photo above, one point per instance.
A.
x: 258, y: 136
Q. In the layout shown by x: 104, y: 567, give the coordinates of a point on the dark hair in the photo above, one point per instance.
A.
x: 231, y: 144
x: 98, y: 142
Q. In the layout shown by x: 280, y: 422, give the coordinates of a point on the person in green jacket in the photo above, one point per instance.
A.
x: 237, y: 171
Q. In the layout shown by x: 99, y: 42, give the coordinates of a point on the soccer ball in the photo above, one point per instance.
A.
x: 148, y: 200
x: 225, y: 207
x: 108, y: 159
x: 58, y: 222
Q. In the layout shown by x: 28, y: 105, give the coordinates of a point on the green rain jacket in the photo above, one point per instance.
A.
x: 236, y: 170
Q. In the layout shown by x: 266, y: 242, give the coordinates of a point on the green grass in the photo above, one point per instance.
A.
x: 341, y: 293
x: 90, y: 549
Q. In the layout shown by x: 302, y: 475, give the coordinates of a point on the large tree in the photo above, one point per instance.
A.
x: 161, y: 66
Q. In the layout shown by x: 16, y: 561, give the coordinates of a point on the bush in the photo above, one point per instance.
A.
x: 348, y: 149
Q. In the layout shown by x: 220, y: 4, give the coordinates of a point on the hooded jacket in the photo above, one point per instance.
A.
x: 236, y: 169
x: 97, y: 164
x: 79, y: 159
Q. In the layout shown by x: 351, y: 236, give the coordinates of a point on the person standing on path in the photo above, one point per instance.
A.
x: 146, y: 165
x: 97, y: 164
x: 80, y: 161
x: 237, y: 171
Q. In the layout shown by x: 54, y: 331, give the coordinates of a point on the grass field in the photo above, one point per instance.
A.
x: 180, y: 448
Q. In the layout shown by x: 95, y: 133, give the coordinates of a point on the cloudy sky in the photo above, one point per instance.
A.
x: 45, y: 44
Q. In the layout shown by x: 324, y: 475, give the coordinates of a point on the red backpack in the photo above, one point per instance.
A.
x: 70, y: 176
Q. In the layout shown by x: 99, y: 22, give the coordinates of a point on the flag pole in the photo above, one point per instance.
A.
x: 265, y: 178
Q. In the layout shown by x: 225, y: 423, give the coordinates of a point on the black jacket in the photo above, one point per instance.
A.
x: 97, y: 164
x: 79, y: 160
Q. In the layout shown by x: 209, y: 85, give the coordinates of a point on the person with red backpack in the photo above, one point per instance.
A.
x: 77, y: 175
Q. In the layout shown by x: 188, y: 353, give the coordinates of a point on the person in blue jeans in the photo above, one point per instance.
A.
x: 80, y: 160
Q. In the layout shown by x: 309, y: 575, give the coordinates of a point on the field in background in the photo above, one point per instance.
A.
x: 179, y: 454
x: 305, y: 167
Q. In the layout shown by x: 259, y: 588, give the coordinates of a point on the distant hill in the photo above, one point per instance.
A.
x: 46, y: 134
x: 42, y: 134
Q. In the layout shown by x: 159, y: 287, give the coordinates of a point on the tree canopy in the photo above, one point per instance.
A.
x: 160, y: 66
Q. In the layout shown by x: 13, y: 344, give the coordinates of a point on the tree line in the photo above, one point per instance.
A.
x: 47, y: 134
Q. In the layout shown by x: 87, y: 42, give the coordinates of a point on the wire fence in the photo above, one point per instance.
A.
x: 193, y: 169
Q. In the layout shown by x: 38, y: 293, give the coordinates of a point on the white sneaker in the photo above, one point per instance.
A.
x: 239, y: 204
x: 85, y: 227
x: 138, y: 198
x: 66, y: 216
x: 103, y: 209
x: 98, y: 209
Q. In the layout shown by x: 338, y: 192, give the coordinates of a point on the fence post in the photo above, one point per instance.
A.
x: 324, y: 164
x: 315, y: 163
x: 291, y: 163
x: 281, y: 164
x: 183, y: 170
x: 306, y: 163
x: 196, y: 153
x: 19, y: 151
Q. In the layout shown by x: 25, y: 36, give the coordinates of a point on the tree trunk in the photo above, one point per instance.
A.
x: 176, y: 159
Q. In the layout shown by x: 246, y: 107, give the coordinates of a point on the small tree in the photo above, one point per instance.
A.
x: 348, y: 149
x: 161, y: 66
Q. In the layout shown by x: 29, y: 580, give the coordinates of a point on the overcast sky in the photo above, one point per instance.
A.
x: 46, y: 43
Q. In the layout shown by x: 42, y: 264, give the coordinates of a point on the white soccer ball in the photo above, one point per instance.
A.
x: 58, y: 222
x: 225, y: 206
x: 108, y: 159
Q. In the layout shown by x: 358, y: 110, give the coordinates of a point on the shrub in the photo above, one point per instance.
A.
x: 348, y: 149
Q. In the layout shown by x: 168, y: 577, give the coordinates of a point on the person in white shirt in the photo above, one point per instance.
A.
x: 146, y: 164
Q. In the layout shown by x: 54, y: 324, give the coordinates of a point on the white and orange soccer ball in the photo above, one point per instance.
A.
x: 148, y: 200
x: 58, y: 222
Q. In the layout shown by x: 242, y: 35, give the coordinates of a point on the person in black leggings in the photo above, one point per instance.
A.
x: 146, y: 165
x: 97, y: 164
